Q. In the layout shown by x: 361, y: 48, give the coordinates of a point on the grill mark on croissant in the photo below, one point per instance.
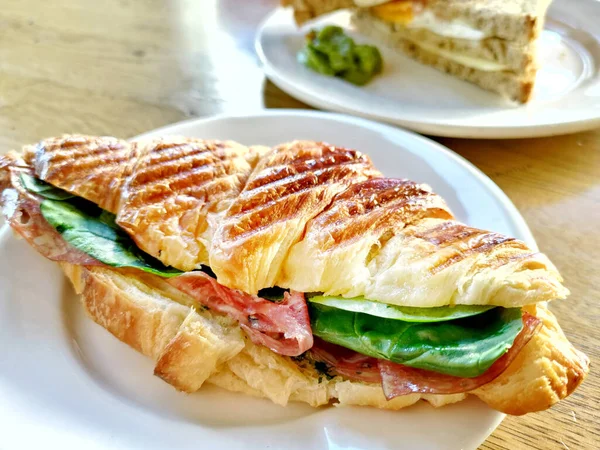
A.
x: 510, y: 257
x: 81, y: 151
x: 181, y: 169
x: 91, y: 167
x: 165, y: 152
x: 193, y: 174
x: 476, y: 241
x: 179, y: 159
x: 89, y: 164
x: 164, y: 170
x: 257, y: 212
x: 270, y: 213
x: 332, y: 157
x: 380, y: 205
x: 162, y: 145
x: 293, y: 182
x: 79, y: 144
x: 399, y: 214
x: 296, y: 184
x: 188, y: 186
x: 189, y: 180
x: 375, y: 194
x: 448, y: 233
x: 63, y: 160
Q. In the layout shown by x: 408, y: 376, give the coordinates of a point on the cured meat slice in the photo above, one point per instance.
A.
x: 345, y: 362
x: 397, y: 379
x: 22, y: 211
x: 284, y: 327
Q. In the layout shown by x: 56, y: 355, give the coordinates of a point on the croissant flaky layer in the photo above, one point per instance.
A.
x: 191, y: 347
x: 304, y: 215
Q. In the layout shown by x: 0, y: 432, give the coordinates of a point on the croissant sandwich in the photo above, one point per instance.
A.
x: 295, y: 273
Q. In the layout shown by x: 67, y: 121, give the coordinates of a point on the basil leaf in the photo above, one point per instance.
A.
x: 43, y: 189
x: 94, y: 231
x: 463, y: 348
x: 405, y: 313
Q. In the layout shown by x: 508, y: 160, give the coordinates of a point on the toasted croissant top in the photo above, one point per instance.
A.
x: 304, y: 215
x: 289, y: 187
x: 165, y: 191
x: 177, y: 188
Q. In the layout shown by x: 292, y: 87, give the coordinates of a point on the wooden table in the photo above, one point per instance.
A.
x: 121, y: 67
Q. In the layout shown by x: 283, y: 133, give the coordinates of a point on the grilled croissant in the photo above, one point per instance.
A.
x: 306, y: 216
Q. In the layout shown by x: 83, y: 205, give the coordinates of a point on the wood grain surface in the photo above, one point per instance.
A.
x: 122, y: 67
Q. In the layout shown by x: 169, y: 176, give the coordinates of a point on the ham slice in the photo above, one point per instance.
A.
x: 22, y: 211
x: 397, y: 379
x: 284, y: 327
x: 346, y: 362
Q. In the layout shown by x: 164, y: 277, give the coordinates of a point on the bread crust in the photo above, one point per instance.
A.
x: 311, y: 217
x: 191, y: 346
x: 305, y: 10
x: 288, y: 188
x: 519, y: 21
x: 547, y: 370
x: 106, y: 161
x: 166, y: 192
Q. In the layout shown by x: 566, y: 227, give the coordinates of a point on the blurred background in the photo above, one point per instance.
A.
x: 69, y: 65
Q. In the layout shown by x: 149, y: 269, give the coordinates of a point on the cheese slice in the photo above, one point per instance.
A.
x: 485, y: 65
x: 456, y: 29
x: 396, y: 12
x: 405, y: 13
x: 411, y: 13
x: 369, y: 3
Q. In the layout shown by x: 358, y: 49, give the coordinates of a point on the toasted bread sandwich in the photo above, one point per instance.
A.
x: 490, y: 43
x: 295, y: 273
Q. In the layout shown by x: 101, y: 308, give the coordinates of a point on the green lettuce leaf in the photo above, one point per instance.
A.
x: 43, y: 189
x: 93, y: 231
x: 464, y: 347
x: 405, y: 313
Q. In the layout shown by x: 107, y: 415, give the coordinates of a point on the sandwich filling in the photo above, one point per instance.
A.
x: 413, y: 15
x: 67, y: 228
x: 407, y: 350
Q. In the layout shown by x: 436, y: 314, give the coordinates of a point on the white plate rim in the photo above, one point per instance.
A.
x: 433, y: 127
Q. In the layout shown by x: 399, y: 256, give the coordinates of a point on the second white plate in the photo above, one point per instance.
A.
x: 566, y: 96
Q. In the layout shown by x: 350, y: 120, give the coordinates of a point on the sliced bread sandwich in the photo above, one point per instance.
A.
x: 492, y: 44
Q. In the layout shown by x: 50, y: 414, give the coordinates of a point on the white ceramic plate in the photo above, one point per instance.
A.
x: 66, y: 382
x: 566, y: 97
